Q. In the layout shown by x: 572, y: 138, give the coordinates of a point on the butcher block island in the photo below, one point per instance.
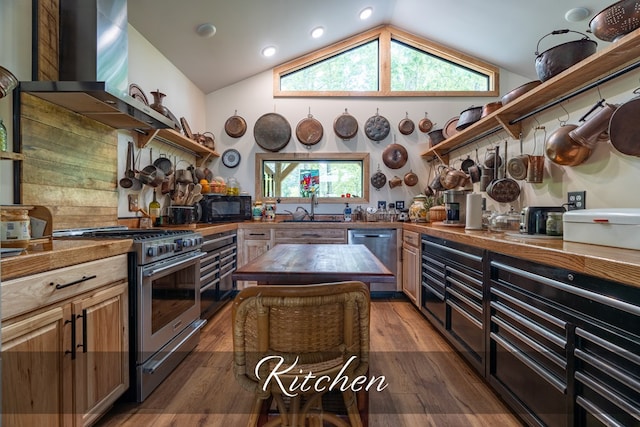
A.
x: 302, y: 264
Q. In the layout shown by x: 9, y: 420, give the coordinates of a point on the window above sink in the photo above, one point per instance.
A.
x: 294, y: 177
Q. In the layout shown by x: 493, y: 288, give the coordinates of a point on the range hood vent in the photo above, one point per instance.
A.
x: 94, y: 67
x: 93, y: 100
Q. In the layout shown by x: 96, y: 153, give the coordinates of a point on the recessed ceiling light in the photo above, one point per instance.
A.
x: 268, y: 51
x: 206, y: 30
x: 317, y: 32
x: 577, y: 14
x: 366, y: 13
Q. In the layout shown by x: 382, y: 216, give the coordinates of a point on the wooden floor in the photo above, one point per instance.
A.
x: 429, y: 384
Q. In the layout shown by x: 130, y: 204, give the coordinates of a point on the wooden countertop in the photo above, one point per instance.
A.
x: 620, y: 265
x: 40, y: 257
x: 295, y: 264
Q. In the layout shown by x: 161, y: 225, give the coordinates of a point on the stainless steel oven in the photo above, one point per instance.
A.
x: 216, y: 266
x: 164, y: 300
x: 168, y: 317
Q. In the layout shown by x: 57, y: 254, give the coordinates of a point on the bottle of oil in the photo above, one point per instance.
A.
x: 154, y: 209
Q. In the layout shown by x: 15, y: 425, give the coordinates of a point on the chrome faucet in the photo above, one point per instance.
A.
x: 314, y: 203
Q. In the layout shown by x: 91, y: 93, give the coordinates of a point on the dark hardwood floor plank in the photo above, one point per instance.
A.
x: 429, y: 384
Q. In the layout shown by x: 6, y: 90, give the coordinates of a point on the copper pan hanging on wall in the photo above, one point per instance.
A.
x: 272, y: 132
x: 406, y: 125
x: 235, y: 126
x: 395, y: 156
x: 309, y: 131
x: 345, y: 126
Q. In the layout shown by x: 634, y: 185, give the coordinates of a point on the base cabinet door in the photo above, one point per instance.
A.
x: 254, y: 242
x: 36, y: 367
x: 66, y: 362
x: 101, y: 365
x: 411, y: 266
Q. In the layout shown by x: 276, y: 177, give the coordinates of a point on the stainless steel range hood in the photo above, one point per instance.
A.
x: 94, y: 67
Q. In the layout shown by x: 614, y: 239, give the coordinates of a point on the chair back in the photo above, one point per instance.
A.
x: 317, y: 328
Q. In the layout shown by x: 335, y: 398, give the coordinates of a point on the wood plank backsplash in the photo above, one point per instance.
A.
x: 70, y: 165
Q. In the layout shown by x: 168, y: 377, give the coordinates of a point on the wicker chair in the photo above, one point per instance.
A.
x: 314, y: 329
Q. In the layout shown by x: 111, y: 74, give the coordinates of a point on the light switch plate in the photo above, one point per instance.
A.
x: 133, y: 202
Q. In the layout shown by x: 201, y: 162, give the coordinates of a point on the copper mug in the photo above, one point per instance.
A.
x: 535, y: 169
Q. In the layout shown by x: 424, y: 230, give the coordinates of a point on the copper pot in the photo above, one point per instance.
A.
x: 615, y: 21
x: 235, y: 126
x: 395, y: 156
x: 490, y: 108
x: 589, y: 131
x: 519, y: 91
x: 345, y: 126
x: 406, y: 125
x: 395, y: 181
x: 309, y: 131
x: 553, y: 61
x: 410, y: 178
x: 425, y: 125
x: 561, y: 149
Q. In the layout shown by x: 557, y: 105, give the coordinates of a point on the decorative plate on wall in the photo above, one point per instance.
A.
x: 231, y: 158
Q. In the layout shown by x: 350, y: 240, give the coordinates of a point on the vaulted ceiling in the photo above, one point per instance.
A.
x: 504, y: 33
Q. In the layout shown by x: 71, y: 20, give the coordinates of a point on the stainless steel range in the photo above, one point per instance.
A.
x: 164, y: 300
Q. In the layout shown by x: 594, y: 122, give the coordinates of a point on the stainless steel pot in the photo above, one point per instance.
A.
x: 151, y: 175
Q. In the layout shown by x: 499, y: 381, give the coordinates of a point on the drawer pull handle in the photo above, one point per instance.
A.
x: 84, y: 279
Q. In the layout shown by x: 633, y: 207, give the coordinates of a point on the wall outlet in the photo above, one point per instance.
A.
x: 133, y: 203
x: 577, y: 200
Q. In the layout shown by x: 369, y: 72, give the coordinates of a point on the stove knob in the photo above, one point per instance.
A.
x: 161, y: 249
x: 168, y: 247
x: 152, y: 251
x: 186, y: 243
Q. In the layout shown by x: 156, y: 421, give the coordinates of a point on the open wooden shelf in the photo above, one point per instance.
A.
x: 601, y: 64
x: 171, y: 136
x: 8, y: 155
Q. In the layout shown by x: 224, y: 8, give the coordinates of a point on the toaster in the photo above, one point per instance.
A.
x: 534, y: 218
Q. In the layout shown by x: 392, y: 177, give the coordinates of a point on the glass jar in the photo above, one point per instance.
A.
x: 554, y: 224
x: 418, y: 209
x: 15, y: 227
x: 257, y: 211
x: 233, y: 189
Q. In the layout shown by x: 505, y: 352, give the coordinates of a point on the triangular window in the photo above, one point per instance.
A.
x: 386, y: 62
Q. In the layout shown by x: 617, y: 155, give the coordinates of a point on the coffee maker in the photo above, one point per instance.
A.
x: 455, y: 206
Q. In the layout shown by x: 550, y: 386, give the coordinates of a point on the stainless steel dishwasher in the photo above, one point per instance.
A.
x: 383, y: 243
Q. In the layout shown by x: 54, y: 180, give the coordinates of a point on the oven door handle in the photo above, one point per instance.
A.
x: 172, y: 266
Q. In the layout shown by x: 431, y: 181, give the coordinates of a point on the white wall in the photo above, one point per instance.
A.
x: 15, y: 34
x: 151, y: 70
x: 606, y: 176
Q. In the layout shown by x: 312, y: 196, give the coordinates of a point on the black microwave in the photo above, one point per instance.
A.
x: 218, y: 208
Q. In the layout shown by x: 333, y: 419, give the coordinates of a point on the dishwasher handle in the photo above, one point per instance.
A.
x: 368, y: 235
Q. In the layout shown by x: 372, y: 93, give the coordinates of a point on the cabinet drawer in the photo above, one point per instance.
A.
x: 32, y: 292
x: 256, y: 234
x: 335, y: 235
x: 411, y: 238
